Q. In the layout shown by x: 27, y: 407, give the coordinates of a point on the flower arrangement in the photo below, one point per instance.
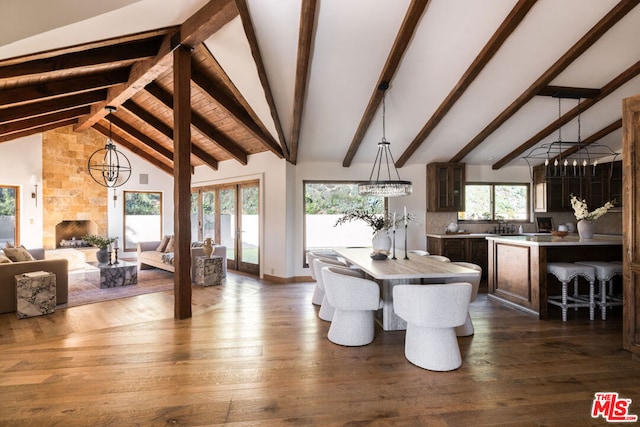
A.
x: 374, y: 220
x: 581, y: 210
x: 98, y: 241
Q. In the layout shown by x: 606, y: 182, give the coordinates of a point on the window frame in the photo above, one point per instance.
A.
x: 493, y: 218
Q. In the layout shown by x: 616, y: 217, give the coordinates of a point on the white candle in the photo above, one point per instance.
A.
x: 394, y: 221
x: 115, y: 244
x: 109, y: 247
x: 405, y: 216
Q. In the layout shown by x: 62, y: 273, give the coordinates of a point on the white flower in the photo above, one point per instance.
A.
x: 581, y: 210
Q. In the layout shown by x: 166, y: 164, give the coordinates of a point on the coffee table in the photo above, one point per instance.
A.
x: 110, y: 276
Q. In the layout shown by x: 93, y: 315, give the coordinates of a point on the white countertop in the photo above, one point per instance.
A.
x: 550, y: 240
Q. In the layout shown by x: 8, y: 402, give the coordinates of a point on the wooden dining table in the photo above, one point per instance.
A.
x: 417, y: 269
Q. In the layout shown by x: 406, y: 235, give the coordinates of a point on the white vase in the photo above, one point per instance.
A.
x: 381, y: 241
x: 585, y: 229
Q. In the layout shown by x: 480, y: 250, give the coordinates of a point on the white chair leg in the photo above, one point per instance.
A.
x: 326, y: 310
x: 465, y: 330
x: 435, y: 349
x: 352, y: 328
x: 318, y: 295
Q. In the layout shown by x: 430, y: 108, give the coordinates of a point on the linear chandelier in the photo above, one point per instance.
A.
x: 569, y: 159
x: 384, y: 160
x: 108, y: 166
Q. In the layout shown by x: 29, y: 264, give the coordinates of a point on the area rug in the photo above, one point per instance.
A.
x: 83, y: 292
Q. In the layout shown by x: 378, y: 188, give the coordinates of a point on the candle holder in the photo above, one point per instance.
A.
x: 115, y: 254
x: 394, y: 244
x: 405, y: 242
x: 109, y: 258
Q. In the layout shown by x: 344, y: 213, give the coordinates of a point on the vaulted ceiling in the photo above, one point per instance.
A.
x: 469, y: 81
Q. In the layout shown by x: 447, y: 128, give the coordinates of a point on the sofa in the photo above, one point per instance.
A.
x: 8, y: 271
x: 150, y: 257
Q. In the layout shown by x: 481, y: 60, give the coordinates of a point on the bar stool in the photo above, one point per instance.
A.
x: 605, y: 272
x: 565, y: 272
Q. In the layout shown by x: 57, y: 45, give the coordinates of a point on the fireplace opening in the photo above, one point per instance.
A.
x: 69, y: 233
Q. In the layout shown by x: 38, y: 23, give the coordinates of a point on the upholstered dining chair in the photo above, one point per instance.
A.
x: 318, y: 293
x: 326, y: 309
x: 439, y: 258
x: 418, y: 252
x: 467, y: 329
x: 355, y: 300
x: 432, y: 312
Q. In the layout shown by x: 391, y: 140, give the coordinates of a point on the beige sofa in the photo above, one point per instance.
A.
x: 8, y: 271
x: 149, y: 257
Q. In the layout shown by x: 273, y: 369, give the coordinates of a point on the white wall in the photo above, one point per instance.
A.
x: 19, y: 160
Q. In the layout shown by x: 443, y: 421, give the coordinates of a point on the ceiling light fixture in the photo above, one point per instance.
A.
x: 389, y: 187
x: 569, y: 159
x: 108, y: 166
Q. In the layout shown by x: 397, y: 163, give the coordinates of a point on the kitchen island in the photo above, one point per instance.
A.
x: 518, y: 265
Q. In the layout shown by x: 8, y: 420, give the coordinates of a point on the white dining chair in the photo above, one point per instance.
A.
x: 467, y: 329
x: 326, y: 309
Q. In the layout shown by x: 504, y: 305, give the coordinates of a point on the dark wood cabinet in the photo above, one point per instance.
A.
x: 467, y: 249
x: 445, y: 187
x: 603, y: 183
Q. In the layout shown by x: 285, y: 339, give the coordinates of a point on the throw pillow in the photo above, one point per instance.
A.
x: 4, y: 259
x: 169, y: 247
x: 163, y: 244
x: 18, y: 254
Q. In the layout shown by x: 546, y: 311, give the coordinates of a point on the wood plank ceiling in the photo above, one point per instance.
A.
x: 73, y: 85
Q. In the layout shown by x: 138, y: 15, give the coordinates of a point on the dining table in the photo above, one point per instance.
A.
x: 414, y: 269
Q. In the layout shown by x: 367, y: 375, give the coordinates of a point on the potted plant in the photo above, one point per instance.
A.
x: 102, y: 243
x: 586, y: 218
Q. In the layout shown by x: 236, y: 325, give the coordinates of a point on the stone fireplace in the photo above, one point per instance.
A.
x: 69, y: 195
x: 69, y: 233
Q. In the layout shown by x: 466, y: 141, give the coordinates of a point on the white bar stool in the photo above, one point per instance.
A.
x: 565, y: 272
x: 605, y: 272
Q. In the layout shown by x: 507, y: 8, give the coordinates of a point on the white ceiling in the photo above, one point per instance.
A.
x: 351, y: 43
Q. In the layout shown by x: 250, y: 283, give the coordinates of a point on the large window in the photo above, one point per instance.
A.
x: 142, y: 218
x: 8, y: 214
x: 496, y: 202
x: 324, y: 203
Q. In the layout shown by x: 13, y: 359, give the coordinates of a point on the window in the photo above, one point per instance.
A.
x: 493, y: 202
x: 8, y: 214
x: 142, y: 218
x: 324, y: 203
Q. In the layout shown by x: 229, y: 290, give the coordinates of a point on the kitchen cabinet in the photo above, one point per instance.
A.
x: 459, y: 248
x: 445, y: 187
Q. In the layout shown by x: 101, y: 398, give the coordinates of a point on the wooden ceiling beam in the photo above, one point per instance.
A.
x: 614, y: 84
x: 593, y: 35
x: 134, y: 50
x: 225, y: 100
x: 192, y: 32
x: 250, y: 33
x: 498, y: 38
x: 63, y: 87
x: 569, y: 92
x: 203, y: 126
x: 134, y: 149
x: 404, y: 36
x: 140, y: 136
x: 305, y: 39
x: 60, y: 103
x: 167, y: 131
x: 34, y: 131
x: 36, y: 122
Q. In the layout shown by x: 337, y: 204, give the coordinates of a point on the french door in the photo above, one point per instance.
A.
x: 9, y: 215
x: 230, y: 215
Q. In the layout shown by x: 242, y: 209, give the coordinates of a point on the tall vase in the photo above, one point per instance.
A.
x: 585, y: 229
x: 381, y: 241
x: 207, y: 247
x: 102, y: 256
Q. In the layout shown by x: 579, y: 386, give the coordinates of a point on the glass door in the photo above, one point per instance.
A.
x: 8, y: 215
x: 228, y: 227
x: 249, y: 228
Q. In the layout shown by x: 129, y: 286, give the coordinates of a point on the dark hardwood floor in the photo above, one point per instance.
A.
x: 256, y: 354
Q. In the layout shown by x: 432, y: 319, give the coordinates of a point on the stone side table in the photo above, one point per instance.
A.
x: 35, y: 294
x: 110, y: 276
x: 209, y: 270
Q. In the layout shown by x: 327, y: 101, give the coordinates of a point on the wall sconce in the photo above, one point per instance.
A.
x: 34, y: 193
